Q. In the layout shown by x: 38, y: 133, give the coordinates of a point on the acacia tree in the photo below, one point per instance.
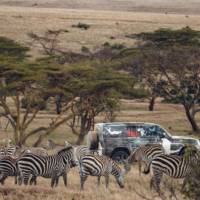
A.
x: 142, y: 64
x: 177, y: 77
x: 95, y: 92
x: 21, y: 82
x: 23, y: 92
x: 180, y: 83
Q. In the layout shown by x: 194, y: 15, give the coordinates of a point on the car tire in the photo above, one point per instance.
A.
x: 120, y: 155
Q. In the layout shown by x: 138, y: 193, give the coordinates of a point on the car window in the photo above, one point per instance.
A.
x: 150, y: 131
x: 114, y: 129
x: 161, y: 132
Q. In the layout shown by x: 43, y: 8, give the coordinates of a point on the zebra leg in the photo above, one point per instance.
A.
x: 33, y: 180
x: 3, y: 178
x: 107, y: 180
x: 140, y: 167
x: 172, y: 190
x: 19, y: 181
x: 25, y: 177
x: 82, y: 180
x: 15, y: 180
x: 98, y: 180
x: 56, y: 180
x: 65, y: 178
x: 184, y: 183
x: 53, y: 180
x: 155, y: 181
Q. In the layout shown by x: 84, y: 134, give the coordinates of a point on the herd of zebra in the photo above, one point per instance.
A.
x: 27, y: 166
x: 30, y: 165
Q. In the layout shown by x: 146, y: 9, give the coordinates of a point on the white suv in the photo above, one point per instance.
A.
x: 175, y: 143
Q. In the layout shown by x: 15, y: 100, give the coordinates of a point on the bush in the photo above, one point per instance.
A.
x: 192, y: 187
x: 135, y: 94
x: 41, y: 104
x: 85, y: 49
x: 81, y: 26
x: 11, y: 48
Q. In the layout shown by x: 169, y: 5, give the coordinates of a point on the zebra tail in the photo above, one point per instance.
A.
x: 147, y: 168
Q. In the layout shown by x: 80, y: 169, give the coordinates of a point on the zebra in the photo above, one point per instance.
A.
x: 34, y: 150
x: 46, y: 166
x: 96, y: 165
x: 8, y: 167
x: 8, y: 150
x: 173, y: 166
x: 80, y: 151
x: 144, y: 154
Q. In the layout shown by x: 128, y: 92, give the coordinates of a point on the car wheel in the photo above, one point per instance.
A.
x: 120, y: 155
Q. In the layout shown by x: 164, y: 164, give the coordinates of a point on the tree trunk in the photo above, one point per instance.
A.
x: 80, y: 138
x: 83, y: 130
x: 152, y: 103
x: 191, y: 119
x: 39, y: 141
x: 58, y: 104
x: 16, y: 137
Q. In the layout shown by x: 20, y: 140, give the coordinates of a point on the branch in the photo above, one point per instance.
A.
x: 74, y: 131
x: 47, y: 130
x: 9, y: 118
x: 25, y: 126
x: 33, y: 132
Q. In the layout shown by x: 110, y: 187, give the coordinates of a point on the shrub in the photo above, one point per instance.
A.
x: 41, y: 104
x: 81, y: 26
x: 85, y: 49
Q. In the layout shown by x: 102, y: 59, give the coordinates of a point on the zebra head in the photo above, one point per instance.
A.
x: 120, y: 179
x: 118, y: 173
x: 68, y: 156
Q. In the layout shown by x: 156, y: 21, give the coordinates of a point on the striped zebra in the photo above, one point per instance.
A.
x: 8, y: 167
x: 173, y: 166
x: 80, y: 151
x: 46, y: 166
x: 96, y: 165
x: 144, y: 154
x: 8, y: 150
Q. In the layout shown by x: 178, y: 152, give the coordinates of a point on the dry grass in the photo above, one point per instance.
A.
x: 136, y: 187
x: 16, y: 22
x: 181, y: 6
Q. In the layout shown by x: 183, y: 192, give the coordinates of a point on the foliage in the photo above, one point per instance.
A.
x: 191, y: 184
x: 10, y: 48
x: 167, y: 64
x: 85, y: 49
x: 167, y: 37
x: 80, y: 25
x: 49, y: 41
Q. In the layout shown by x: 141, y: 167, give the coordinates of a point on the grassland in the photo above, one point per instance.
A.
x: 136, y: 188
x: 172, y: 6
x: 106, y: 26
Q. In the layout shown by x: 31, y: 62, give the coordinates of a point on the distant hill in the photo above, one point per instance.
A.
x: 172, y: 6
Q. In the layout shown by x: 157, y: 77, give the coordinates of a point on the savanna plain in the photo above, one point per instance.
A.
x: 17, y: 18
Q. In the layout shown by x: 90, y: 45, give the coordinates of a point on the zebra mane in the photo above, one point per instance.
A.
x: 65, y: 149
